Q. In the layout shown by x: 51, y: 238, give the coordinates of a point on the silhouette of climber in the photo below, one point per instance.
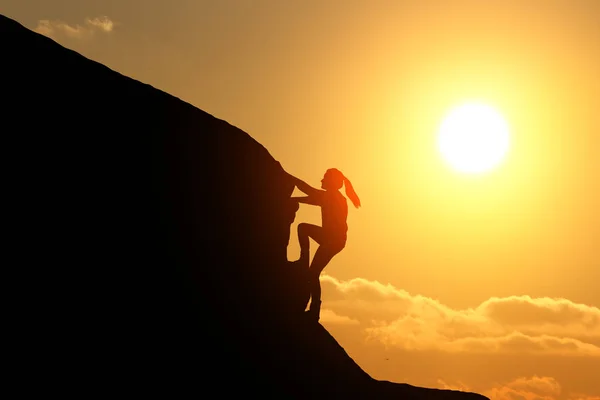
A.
x: 331, y: 236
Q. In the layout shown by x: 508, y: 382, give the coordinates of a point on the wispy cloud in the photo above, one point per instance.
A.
x: 330, y: 317
x: 90, y: 26
x: 515, y: 324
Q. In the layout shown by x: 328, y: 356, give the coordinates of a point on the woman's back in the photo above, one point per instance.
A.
x: 334, y: 212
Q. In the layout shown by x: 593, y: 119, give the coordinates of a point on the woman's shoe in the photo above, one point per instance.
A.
x: 314, y: 311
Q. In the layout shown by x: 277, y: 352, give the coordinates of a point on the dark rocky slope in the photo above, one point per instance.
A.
x: 151, y: 242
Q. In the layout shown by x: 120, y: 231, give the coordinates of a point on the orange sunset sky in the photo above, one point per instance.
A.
x: 486, y: 282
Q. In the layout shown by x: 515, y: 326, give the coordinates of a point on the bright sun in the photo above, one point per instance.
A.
x: 473, y: 138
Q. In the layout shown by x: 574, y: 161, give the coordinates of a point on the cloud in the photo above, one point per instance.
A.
x: 102, y: 23
x: 90, y: 26
x: 330, y: 317
x: 515, y: 324
x: 523, y: 388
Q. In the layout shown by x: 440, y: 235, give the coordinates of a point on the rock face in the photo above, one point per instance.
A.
x: 152, y: 238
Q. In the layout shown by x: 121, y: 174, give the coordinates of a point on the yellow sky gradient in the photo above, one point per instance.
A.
x: 488, y: 283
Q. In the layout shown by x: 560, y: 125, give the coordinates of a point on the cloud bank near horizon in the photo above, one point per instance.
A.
x: 515, y: 324
x: 524, y: 388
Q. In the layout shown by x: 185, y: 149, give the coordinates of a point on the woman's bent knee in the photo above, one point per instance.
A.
x: 310, y: 230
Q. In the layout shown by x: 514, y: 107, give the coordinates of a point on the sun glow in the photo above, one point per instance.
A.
x: 473, y: 138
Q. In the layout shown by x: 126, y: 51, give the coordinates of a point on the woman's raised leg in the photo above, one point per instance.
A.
x: 304, y: 232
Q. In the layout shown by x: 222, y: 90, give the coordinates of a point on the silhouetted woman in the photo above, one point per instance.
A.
x: 332, y: 235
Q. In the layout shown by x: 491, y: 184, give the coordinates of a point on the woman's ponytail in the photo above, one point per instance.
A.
x: 351, y: 193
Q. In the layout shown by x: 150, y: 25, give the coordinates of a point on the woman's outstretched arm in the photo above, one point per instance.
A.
x: 308, y: 200
x: 314, y: 195
x: 306, y: 188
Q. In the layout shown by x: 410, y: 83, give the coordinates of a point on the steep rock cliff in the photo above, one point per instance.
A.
x: 151, y: 238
